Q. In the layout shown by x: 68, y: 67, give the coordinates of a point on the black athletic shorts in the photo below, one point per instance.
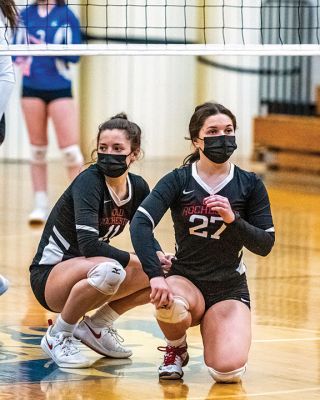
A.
x: 213, y: 292
x: 38, y: 280
x: 46, y: 95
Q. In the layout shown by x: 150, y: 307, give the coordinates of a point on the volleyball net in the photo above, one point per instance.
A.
x: 198, y: 27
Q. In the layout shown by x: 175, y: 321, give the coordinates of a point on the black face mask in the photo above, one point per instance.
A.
x: 219, y: 148
x: 112, y: 165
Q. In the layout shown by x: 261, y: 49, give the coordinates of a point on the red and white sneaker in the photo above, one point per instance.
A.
x: 63, y: 349
x: 174, y: 359
x: 105, y: 341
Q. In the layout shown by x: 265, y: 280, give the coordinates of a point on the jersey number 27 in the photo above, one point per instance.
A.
x: 202, y: 228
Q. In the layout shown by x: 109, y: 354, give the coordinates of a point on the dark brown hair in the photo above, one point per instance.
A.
x: 201, y: 113
x: 120, y: 121
x: 9, y: 10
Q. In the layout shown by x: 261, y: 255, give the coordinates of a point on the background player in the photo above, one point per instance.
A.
x: 75, y: 268
x: 217, y: 209
x: 46, y: 93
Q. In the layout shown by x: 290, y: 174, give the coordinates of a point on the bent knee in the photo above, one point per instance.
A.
x: 178, y: 312
x: 106, y: 276
x: 184, y: 288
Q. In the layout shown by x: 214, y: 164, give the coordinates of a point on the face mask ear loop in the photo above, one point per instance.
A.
x: 130, y: 162
x: 198, y: 148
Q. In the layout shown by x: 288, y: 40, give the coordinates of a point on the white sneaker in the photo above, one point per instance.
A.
x: 4, y: 284
x: 38, y: 215
x: 105, y: 341
x: 63, y: 349
x: 174, y: 359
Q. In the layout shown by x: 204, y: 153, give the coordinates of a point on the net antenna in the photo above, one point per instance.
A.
x: 185, y: 27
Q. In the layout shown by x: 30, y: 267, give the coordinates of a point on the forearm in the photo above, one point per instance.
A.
x: 255, y: 239
x: 143, y: 243
x: 93, y: 248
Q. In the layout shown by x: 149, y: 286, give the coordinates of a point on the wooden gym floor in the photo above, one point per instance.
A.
x: 284, y: 359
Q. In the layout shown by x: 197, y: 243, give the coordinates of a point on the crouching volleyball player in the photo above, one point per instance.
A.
x: 75, y: 268
x: 217, y: 210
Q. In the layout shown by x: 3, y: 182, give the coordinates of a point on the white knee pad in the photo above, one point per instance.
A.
x: 72, y: 155
x: 228, y: 377
x: 38, y: 154
x: 107, y: 277
x: 176, y: 313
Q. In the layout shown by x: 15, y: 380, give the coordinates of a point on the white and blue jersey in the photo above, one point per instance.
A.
x: 60, y: 26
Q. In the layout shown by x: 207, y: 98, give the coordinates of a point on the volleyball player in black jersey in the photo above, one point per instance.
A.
x: 217, y: 209
x: 75, y: 268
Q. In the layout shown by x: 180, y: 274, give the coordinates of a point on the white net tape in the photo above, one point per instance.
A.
x: 195, y: 27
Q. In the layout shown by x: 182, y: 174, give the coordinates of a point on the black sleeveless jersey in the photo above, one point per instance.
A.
x: 206, y: 247
x: 86, y: 217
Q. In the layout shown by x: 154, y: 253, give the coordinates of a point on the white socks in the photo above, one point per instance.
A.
x: 178, y: 342
x: 104, y: 316
x: 62, y: 326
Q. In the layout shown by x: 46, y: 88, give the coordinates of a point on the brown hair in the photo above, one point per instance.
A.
x: 120, y: 121
x: 201, y: 113
x: 9, y: 10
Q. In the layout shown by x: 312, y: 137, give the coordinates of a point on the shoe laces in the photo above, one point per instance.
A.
x: 114, y: 333
x: 171, y: 353
x: 69, y: 345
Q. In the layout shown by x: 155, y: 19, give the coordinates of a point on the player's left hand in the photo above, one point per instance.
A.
x: 220, y: 205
